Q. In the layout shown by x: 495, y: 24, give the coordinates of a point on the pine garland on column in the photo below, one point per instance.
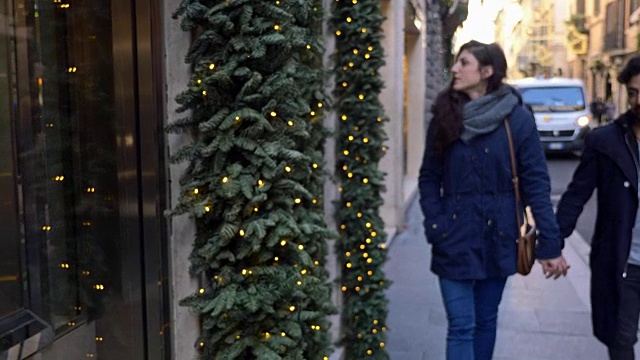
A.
x: 359, y: 140
x: 254, y: 178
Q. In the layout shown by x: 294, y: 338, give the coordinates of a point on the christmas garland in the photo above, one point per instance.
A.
x: 254, y: 178
x: 359, y: 140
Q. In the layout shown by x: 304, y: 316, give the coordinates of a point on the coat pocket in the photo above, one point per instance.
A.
x: 435, y: 228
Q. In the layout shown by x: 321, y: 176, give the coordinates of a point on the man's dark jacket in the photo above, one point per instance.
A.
x: 609, y: 163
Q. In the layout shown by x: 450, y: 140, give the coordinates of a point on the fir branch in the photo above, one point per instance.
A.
x: 359, y: 141
x: 253, y: 183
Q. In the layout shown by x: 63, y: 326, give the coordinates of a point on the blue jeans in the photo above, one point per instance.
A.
x: 472, y: 312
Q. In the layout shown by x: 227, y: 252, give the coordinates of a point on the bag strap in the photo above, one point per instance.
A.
x: 514, y: 171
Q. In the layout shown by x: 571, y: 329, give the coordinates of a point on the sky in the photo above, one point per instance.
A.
x: 480, y: 24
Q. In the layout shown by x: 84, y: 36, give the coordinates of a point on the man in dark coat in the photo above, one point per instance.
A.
x: 597, y: 108
x: 610, y: 164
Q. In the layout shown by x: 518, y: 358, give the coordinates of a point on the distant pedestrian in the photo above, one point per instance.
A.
x: 597, y: 108
x: 467, y: 197
x: 609, y: 110
x: 609, y: 163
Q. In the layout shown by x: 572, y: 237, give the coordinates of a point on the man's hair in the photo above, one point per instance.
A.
x: 631, y: 69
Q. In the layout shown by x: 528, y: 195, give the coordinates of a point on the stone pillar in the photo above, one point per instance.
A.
x: 331, y: 193
x: 414, y: 107
x: 185, y: 327
x: 392, y: 99
x: 435, y: 57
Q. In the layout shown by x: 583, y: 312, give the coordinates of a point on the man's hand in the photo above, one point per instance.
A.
x: 554, y: 267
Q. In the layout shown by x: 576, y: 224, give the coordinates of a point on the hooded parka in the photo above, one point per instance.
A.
x: 609, y: 163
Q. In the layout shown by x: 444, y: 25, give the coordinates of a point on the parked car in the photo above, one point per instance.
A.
x: 561, y: 111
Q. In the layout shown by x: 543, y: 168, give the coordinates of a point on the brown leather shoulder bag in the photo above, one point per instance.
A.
x: 526, y: 242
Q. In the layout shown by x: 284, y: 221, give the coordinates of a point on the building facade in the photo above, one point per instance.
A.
x: 611, y: 31
x: 585, y: 39
x: 92, y: 267
x: 533, y: 33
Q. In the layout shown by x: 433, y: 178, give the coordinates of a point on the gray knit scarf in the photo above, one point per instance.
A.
x: 486, y: 113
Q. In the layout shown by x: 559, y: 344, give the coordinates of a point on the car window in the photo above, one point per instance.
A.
x: 556, y: 99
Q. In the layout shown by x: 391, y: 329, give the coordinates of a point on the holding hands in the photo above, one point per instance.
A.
x: 554, y: 267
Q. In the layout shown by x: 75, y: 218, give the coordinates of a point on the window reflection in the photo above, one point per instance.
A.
x: 10, y: 295
x: 67, y: 147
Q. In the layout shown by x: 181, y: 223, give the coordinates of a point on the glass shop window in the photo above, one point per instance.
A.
x: 59, y: 200
x: 10, y: 267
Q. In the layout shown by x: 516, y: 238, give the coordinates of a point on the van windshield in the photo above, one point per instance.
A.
x: 556, y: 99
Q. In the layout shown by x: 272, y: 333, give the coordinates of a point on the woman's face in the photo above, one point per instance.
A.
x: 468, y: 76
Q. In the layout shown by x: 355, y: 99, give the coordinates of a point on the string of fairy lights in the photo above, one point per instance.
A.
x: 301, y: 261
x: 360, y: 136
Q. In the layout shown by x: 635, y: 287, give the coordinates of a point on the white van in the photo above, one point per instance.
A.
x: 561, y: 110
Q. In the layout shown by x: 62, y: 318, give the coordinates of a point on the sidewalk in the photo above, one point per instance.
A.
x: 539, y: 319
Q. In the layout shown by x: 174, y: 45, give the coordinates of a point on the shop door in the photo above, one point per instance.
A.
x: 79, y: 276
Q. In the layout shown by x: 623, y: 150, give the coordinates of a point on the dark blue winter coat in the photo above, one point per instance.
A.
x: 468, y: 201
x: 609, y: 163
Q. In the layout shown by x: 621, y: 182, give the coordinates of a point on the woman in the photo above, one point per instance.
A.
x: 467, y: 196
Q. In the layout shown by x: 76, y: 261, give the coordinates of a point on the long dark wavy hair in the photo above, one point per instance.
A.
x: 447, y: 110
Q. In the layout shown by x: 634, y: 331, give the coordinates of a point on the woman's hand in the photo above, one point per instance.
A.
x: 554, y: 267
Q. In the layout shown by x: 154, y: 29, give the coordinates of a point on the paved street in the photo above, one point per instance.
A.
x: 539, y: 319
